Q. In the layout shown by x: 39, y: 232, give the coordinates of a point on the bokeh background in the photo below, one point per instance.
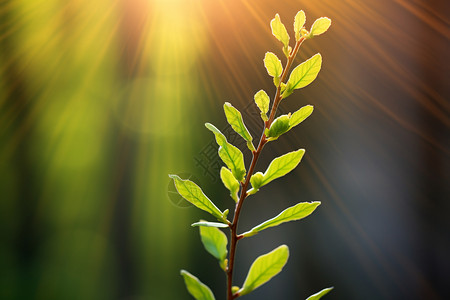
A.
x: 100, y: 100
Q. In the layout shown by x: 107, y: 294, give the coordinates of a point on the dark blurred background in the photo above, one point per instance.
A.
x: 100, y: 100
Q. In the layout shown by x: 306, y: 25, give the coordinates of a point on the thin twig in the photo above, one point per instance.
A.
x: 244, y: 186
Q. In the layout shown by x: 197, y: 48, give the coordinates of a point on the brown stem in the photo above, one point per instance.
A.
x: 234, y: 237
x: 278, y: 95
x: 244, y: 186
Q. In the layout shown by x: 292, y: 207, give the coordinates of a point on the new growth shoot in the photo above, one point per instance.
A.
x: 242, y: 182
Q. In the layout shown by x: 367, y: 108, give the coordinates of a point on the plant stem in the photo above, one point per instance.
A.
x: 244, y: 186
x: 278, y: 95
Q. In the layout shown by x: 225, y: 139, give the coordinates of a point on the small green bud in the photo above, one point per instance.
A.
x: 304, y: 32
x: 234, y: 289
x: 279, y: 126
x: 288, y: 90
x: 251, y: 191
x: 224, y: 264
x: 256, y: 180
x: 225, y: 214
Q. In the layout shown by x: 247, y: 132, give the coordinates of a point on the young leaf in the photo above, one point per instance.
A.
x: 196, y: 288
x: 279, y: 126
x: 209, y: 224
x: 273, y: 66
x: 303, y: 74
x: 279, y: 31
x: 320, y: 26
x: 225, y: 215
x: 319, y: 295
x: 262, y: 100
x: 230, y: 155
x: 234, y: 118
x: 194, y: 194
x: 230, y: 183
x: 293, y: 213
x: 300, y: 115
x: 215, y: 242
x: 264, y: 268
x: 282, y: 165
x: 299, y: 22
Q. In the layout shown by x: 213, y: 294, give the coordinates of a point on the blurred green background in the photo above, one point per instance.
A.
x: 100, y: 100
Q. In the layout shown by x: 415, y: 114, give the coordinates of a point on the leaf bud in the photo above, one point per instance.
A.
x: 304, y: 32
x: 256, y: 180
x: 279, y: 126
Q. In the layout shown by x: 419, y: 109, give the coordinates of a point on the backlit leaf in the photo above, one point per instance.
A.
x: 215, y: 242
x: 319, y: 295
x: 209, y: 224
x: 262, y: 100
x: 234, y: 118
x: 230, y: 155
x: 230, y: 183
x: 303, y: 74
x: 300, y: 115
x: 273, y: 65
x: 264, y: 268
x: 320, y: 26
x: 282, y: 165
x: 299, y: 22
x: 194, y: 194
x: 196, y: 288
x: 294, y: 213
x: 279, y: 30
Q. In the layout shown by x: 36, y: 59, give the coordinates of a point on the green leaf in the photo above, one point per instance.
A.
x: 293, y: 213
x: 279, y: 126
x: 262, y: 100
x: 300, y: 115
x: 320, y: 26
x: 234, y: 118
x: 299, y: 22
x: 303, y: 74
x: 196, y: 288
x: 194, y: 194
x: 230, y: 155
x: 319, y: 295
x: 279, y: 31
x: 273, y: 65
x: 282, y: 165
x: 215, y: 242
x: 264, y: 268
x: 209, y: 224
x: 230, y: 183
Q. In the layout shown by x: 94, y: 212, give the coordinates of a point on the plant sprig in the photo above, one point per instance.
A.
x: 237, y: 179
